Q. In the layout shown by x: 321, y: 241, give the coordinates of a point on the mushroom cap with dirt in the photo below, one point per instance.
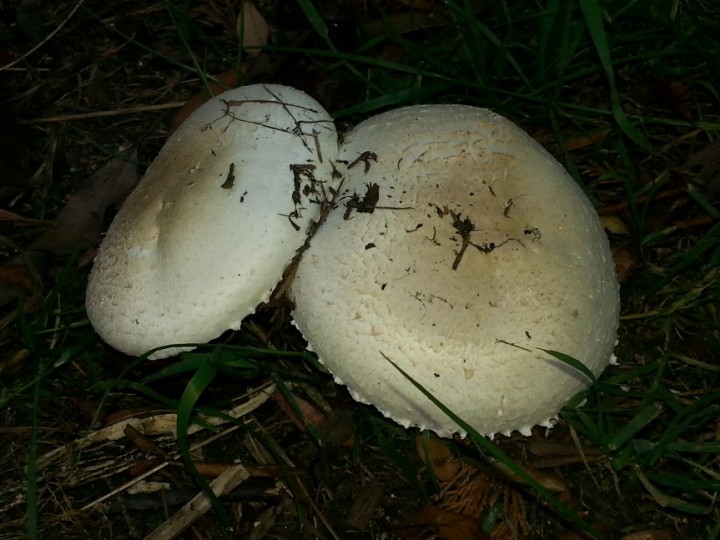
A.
x: 209, y: 230
x: 459, y: 251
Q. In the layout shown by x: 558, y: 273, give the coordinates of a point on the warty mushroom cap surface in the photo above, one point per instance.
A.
x: 219, y: 214
x: 458, y: 253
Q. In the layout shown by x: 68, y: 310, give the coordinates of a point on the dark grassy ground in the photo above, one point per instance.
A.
x: 625, y: 94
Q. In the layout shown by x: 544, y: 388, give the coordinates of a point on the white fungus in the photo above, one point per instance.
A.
x: 459, y: 249
x: 220, y: 213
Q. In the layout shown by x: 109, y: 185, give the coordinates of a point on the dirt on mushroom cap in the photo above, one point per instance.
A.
x: 478, y: 252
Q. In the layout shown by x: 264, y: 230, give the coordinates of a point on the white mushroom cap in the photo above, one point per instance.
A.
x: 479, y: 251
x: 218, y: 216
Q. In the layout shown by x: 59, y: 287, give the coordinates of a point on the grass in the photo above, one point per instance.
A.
x: 621, y: 92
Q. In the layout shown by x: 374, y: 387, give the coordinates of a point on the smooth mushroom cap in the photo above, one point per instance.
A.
x: 220, y: 213
x: 474, y: 250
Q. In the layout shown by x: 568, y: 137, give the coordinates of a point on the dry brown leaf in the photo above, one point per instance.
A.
x: 338, y: 428
x: 625, y: 263
x: 473, y: 493
x: 551, y: 482
x: 253, y: 28
x: 583, y: 141
x: 88, y: 409
x: 120, y: 415
x: 365, y: 505
x: 142, y: 442
x: 17, y: 276
x: 445, y: 465
x: 13, y: 363
x: 22, y: 276
x: 615, y: 225
x: 78, y: 225
x: 310, y: 414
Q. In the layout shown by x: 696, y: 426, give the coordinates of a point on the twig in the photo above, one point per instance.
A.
x: 44, y: 41
x: 199, y: 505
x: 101, y: 114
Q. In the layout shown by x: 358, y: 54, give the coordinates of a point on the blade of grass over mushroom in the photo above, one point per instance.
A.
x: 573, y: 363
x: 486, y: 446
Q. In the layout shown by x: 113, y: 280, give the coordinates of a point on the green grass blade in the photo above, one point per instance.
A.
x: 573, y: 363
x: 644, y: 417
x: 593, y: 15
x: 484, y: 445
x: 295, y: 407
x: 665, y: 500
x: 428, y: 460
x: 704, y: 202
x: 316, y: 21
x: 589, y: 428
x: 194, y: 389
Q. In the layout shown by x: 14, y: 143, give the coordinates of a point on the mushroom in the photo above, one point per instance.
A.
x: 220, y: 213
x: 460, y: 251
